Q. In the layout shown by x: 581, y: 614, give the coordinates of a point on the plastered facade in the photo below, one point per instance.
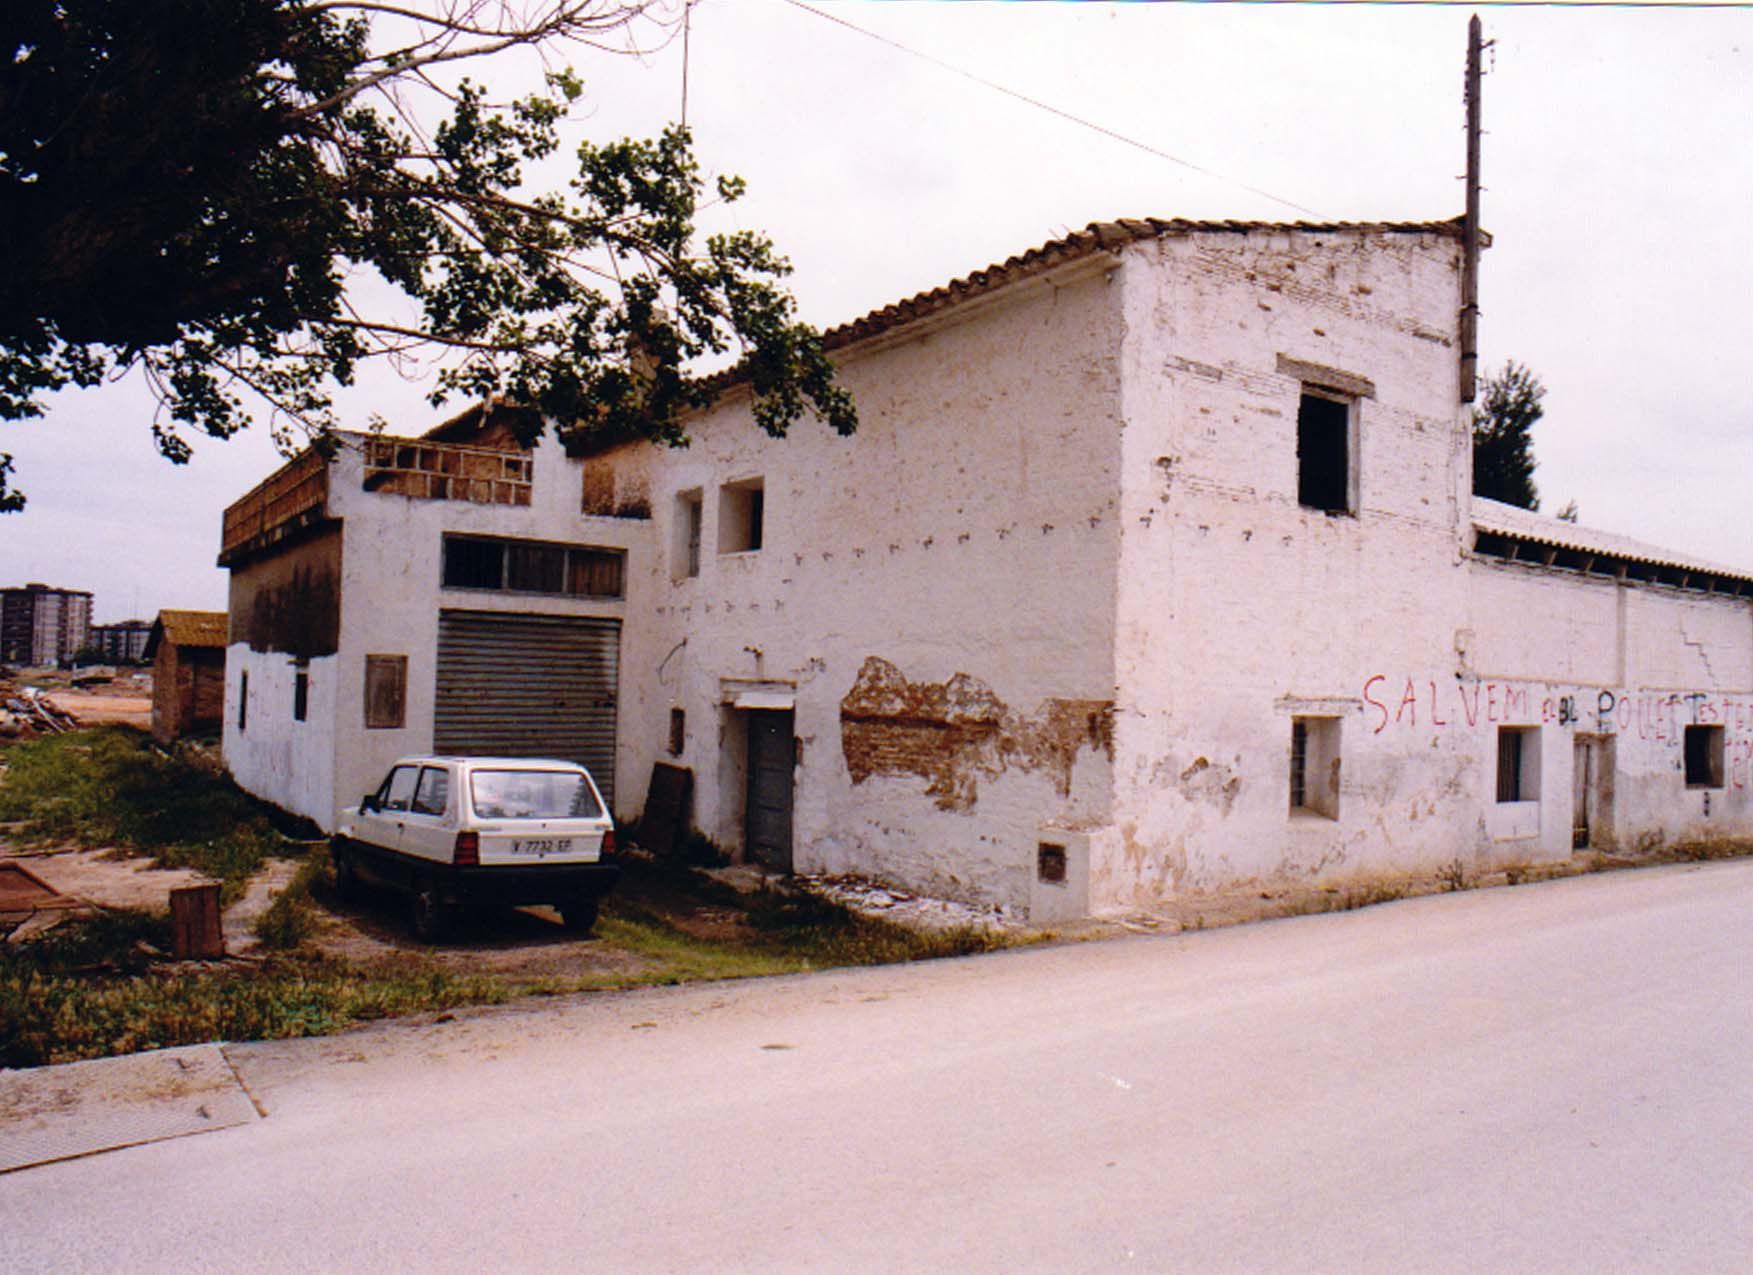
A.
x: 1057, y: 609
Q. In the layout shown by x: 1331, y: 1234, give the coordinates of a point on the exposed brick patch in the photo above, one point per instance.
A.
x: 951, y: 734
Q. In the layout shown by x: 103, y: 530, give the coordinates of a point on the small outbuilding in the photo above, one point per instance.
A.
x: 187, y: 654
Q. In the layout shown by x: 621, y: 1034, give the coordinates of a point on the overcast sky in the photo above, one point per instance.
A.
x: 1618, y: 174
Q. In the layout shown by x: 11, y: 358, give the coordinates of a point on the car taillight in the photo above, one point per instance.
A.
x: 608, y: 841
x: 467, y: 853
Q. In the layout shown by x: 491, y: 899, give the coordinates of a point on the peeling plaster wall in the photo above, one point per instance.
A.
x: 964, y: 540
x: 1238, y: 607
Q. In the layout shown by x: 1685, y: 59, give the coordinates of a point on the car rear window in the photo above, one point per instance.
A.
x: 532, y: 794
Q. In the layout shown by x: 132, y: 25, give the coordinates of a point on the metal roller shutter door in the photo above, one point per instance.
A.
x: 529, y: 686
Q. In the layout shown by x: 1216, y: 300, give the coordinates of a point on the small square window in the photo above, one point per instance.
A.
x: 535, y: 568
x: 386, y: 691
x: 1703, y: 746
x: 473, y: 564
x: 1050, y: 862
x: 300, y: 691
x: 595, y: 573
x: 1518, y: 763
x: 742, y: 514
x: 1314, y: 765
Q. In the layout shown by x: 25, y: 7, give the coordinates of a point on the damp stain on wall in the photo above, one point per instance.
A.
x: 954, y: 734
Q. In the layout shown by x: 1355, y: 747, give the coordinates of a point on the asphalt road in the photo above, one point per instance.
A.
x: 1548, y: 1078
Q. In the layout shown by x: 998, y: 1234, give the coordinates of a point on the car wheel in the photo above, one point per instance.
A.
x: 431, y: 913
x: 346, y: 875
x: 580, y: 915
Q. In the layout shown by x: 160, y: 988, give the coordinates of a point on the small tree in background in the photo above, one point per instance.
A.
x: 1503, y: 445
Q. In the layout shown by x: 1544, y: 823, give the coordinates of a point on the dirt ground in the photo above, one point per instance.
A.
x: 97, y: 708
x: 124, y: 700
x: 374, y: 929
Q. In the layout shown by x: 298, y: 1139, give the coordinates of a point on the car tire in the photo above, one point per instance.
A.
x: 346, y: 875
x: 431, y: 914
x: 580, y: 915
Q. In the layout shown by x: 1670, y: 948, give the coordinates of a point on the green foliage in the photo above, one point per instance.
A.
x: 186, y: 186
x: 291, y: 918
x: 50, y: 1015
x: 111, y: 787
x: 1503, y: 444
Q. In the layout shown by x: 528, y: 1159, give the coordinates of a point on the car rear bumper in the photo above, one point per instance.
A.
x: 511, y: 884
x: 517, y: 883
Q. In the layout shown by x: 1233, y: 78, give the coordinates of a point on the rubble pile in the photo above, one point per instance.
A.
x: 904, y: 907
x: 26, y: 713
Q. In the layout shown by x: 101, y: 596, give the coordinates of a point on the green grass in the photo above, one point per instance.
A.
x: 97, y: 986
x: 101, y: 985
x: 292, y: 916
x: 111, y: 786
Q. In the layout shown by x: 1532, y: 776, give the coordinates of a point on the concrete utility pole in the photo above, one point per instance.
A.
x: 1470, y: 224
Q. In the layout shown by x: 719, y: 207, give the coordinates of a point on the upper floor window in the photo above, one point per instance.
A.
x: 1327, y: 434
x: 1323, y: 452
x: 742, y: 515
x: 532, y: 566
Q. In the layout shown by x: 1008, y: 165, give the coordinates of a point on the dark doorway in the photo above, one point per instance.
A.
x: 771, y: 756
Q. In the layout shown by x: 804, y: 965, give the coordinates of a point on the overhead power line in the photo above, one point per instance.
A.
x: 1054, y: 110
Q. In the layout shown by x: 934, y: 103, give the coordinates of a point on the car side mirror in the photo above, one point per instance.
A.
x: 368, y: 803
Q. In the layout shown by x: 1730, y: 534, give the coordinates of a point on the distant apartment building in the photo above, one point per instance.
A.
x: 121, y: 643
x: 41, y: 626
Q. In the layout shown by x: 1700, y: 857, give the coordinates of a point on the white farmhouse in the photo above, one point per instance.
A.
x: 1152, y: 569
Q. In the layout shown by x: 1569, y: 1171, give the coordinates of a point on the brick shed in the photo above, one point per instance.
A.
x: 187, y: 653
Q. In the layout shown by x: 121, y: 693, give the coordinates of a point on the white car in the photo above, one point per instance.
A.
x: 505, y: 830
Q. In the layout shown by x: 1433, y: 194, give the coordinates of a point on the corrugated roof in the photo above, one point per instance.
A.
x: 1497, y: 518
x: 194, y: 628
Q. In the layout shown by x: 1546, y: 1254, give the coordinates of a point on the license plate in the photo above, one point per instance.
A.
x: 542, y: 845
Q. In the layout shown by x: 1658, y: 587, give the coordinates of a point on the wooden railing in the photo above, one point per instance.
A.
x: 285, y: 496
x: 447, y: 471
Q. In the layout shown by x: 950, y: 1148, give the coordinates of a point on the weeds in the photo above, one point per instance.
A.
x: 110, y: 786
x: 1361, y: 894
x: 52, y: 1016
x: 1453, y: 875
x: 291, y: 917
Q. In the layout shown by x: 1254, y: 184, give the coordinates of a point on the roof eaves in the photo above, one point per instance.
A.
x: 1510, y: 521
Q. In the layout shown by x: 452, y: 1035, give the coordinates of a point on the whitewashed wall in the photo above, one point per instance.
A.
x: 1238, y: 607
x: 391, y: 594
x: 967, y: 530
x: 287, y: 762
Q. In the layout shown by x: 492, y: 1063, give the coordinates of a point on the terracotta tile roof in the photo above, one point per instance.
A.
x: 194, y: 628
x: 1098, y: 236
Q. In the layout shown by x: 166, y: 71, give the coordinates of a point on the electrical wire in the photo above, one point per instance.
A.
x: 1054, y: 110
